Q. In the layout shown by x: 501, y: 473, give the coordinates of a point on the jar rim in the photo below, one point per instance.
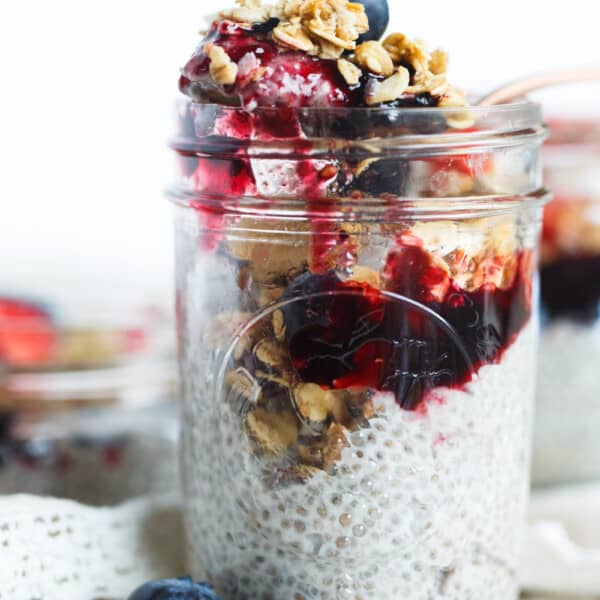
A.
x: 523, y: 106
x: 421, y: 130
x: 235, y: 138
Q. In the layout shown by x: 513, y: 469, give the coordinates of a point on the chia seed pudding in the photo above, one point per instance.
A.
x: 356, y: 314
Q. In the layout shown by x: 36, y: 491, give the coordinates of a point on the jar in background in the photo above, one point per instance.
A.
x: 566, y: 444
x: 87, y: 408
x: 357, y: 326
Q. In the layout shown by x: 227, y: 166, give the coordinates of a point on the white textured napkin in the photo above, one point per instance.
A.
x: 59, y: 550
x: 562, y: 554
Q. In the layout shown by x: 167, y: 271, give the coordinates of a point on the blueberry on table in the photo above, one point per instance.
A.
x: 378, y: 12
x: 174, y: 589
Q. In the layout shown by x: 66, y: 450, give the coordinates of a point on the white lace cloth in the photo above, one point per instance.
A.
x: 60, y: 550
x: 562, y: 553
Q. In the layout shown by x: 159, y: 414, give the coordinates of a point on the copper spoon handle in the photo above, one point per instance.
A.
x: 519, y: 88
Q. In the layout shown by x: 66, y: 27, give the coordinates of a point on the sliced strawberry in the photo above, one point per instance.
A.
x: 27, y: 333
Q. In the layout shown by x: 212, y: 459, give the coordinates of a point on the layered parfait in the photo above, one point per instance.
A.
x: 567, y: 450
x: 356, y: 307
x: 86, y: 408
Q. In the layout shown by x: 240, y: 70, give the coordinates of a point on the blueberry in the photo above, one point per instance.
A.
x: 385, y: 176
x: 571, y: 288
x: 266, y: 27
x: 174, y: 589
x: 378, y: 12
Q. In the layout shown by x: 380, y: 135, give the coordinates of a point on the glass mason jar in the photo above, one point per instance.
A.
x: 567, y: 448
x: 357, y: 327
x: 87, y: 406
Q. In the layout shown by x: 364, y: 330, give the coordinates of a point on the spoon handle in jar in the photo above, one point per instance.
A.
x: 521, y: 87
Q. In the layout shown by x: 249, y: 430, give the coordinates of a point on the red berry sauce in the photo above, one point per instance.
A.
x: 267, y: 75
x: 345, y: 334
x: 570, y: 273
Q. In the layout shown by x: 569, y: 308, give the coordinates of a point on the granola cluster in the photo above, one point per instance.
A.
x: 285, y: 417
x: 323, y: 28
x: 392, y: 69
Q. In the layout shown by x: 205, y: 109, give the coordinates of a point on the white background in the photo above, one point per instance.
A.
x: 85, y: 116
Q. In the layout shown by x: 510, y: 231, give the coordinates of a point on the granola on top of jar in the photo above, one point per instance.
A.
x: 300, y: 53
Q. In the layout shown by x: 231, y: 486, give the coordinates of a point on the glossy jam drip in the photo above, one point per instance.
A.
x: 345, y: 334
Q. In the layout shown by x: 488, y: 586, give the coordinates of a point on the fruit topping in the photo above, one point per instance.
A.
x: 346, y: 334
x: 302, y: 53
x: 27, y: 334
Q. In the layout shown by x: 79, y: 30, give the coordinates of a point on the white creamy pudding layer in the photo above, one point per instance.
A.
x: 423, y: 505
x: 568, y: 404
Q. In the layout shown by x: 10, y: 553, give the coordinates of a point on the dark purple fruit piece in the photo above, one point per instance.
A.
x: 6, y: 421
x: 351, y: 336
x: 383, y: 122
x: 378, y: 12
x: 386, y: 176
x: 174, y: 589
x: 266, y: 27
x: 571, y: 288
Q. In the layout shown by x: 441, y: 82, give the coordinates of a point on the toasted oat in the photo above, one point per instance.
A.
x: 332, y: 25
x: 373, y: 56
x: 246, y: 11
x: 349, y: 71
x: 292, y: 35
x: 438, y: 64
x: 425, y: 82
x: 405, y: 51
x: 243, y: 386
x: 275, y: 432
x: 390, y: 89
x: 266, y: 267
x: 279, y: 325
x: 336, y: 402
x: 337, y: 440
x: 336, y: 21
x: 271, y: 354
x: 311, y: 401
x: 222, y: 69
